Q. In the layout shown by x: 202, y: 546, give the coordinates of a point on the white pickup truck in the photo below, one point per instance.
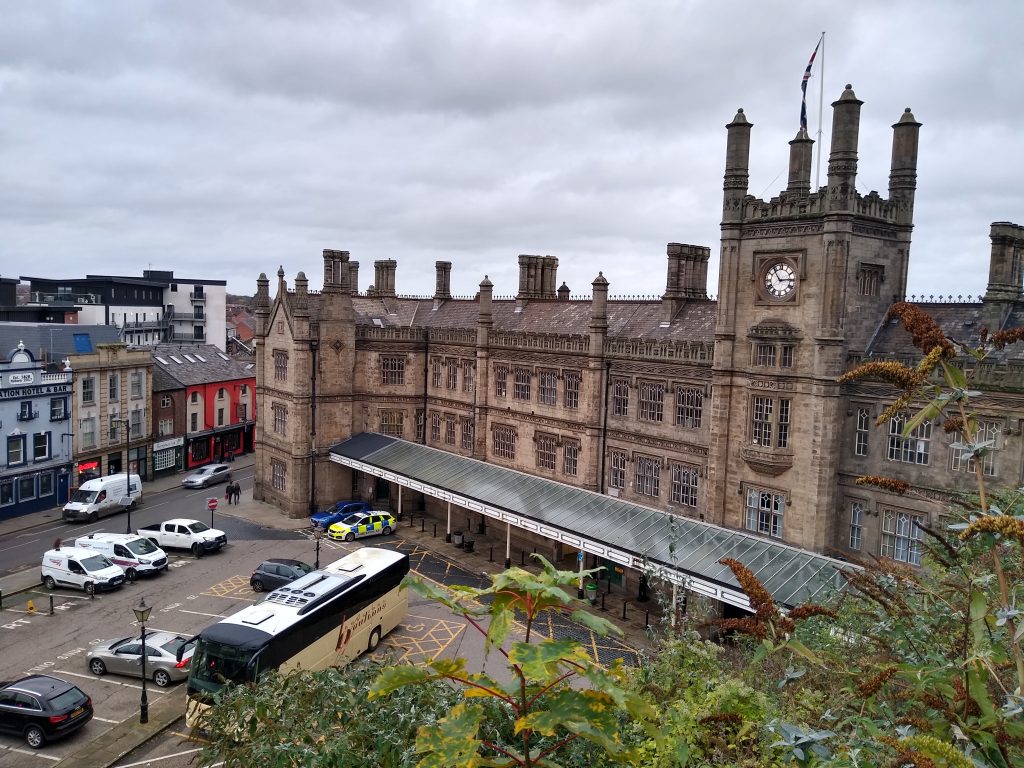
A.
x: 181, y: 533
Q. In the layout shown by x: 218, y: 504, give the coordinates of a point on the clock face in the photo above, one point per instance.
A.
x: 780, y: 280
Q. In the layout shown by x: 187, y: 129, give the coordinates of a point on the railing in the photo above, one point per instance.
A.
x: 39, y: 297
x: 197, y: 296
x: 28, y: 415
x: 57, y: 378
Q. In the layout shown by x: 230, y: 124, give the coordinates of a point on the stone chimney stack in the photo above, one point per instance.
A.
x: 443, y: 281
x: 353, y: 277
x: 384, y: 278
x: 737, y: 163
x: 800, y: 150
x: 537, y: 277
x: 842, y: 161
x: 903, y: 170
x: 687, y: 277
x: 336, y: 271
x: 1005, y: 275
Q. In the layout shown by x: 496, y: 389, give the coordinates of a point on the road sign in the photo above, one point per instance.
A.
x: 211, y: 504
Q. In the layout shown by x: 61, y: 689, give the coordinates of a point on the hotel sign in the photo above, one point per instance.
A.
x: 13, y: 393
x: 21, y: 378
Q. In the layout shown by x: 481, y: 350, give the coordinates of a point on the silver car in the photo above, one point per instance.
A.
x: 124, y: 657
x: 211, y: 474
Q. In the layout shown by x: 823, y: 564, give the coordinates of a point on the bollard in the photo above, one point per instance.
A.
x: 51, y: 605
x: 647, y: 619
x: 602, y: 601
x: 522, y: 557
x: 435, y: 530
x: 92, y: 595
x: 423, y: 524
x: 412, y: 519
x: 623, y: 610
x: 491, y: 558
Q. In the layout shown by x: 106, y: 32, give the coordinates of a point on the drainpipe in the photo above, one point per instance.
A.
x: 314, y: 348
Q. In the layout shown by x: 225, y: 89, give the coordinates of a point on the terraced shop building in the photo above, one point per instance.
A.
x: 665, y: 433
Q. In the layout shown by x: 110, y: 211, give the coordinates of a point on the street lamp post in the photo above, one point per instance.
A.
x: 142, y: 616
x: 318, y: 534
x: 126, y: 426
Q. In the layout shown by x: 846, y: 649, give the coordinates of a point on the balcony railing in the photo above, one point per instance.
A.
x: 28, y: 415
x: 144, y: 325
x: 197, y: 296
x: 40, y: 297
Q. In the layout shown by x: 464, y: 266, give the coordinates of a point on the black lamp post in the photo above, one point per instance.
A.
x: 126, y: 426
x: 142, y: 616
x: 318, y: 533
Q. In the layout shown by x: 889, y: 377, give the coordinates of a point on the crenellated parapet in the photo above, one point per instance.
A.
x: 388, y: 333
x: 787, y: 206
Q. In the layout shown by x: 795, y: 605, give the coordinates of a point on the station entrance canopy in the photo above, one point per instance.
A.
x: 683, y: 551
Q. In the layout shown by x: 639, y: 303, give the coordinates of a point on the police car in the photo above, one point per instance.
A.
x: 362, y: 524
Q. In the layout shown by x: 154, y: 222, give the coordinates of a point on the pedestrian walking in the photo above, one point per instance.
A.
x: 228, y: 492
x: 237, y: 492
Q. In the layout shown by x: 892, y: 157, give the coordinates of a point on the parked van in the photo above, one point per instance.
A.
x: 104, y: 496
x: 80, y: 568
x: 134, y: 554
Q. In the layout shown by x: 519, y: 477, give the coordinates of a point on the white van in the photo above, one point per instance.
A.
x: 80, y: 568
x: 134, y: 554
x: 104, y: 496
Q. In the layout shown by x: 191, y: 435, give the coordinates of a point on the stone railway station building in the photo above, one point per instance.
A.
x: 723, y: 412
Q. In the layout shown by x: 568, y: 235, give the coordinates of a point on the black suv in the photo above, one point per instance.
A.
x: 276, y: 572
x: 41, y: 708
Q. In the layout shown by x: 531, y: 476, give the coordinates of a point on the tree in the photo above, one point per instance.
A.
x: 555, y: 695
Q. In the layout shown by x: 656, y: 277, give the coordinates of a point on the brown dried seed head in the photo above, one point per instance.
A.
x: 890, y: 484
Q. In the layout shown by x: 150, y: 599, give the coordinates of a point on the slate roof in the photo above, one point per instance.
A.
x: 695, y: 322
x: 960, y: 321
x: 54, y: 341
x: 214, y: 366
x: 163, y: 381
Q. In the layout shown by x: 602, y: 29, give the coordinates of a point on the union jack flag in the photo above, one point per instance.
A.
x: 803, y: 88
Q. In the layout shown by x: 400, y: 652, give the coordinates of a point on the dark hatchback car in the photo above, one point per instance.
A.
x: 41, y: 708
x: 276, y: 572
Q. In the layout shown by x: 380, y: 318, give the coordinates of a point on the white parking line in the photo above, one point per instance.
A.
x: 20, y: 751
x: 106, y: 679
x: 200, y: 613
x: 108, y: 720
x: 164, y: 757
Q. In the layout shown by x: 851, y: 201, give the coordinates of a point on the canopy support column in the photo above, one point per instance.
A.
x: 508, y: 545
x: 448, y: 530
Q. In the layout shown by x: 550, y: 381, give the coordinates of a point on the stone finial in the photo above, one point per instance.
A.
x: 563, y: 292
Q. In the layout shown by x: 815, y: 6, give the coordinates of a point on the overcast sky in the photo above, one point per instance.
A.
x: 223, y: 139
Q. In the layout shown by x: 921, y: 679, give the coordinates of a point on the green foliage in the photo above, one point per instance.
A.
x: 556, y: 693
x: 321, y: 720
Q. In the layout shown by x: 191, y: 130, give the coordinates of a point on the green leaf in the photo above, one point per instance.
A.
x: 955, y: 376
x: 929, y: 412
x: 597, y: 624
x: 802, y: 650
x: 545, y: 661
x: 453, y: 740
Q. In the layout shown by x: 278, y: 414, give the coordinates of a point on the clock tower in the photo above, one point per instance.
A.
x: 805, y: 279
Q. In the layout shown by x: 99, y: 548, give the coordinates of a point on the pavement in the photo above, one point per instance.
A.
x: 622, y: 608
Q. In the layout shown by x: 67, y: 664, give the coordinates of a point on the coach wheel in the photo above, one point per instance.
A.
x: 387, y: 530
x: 50, y: 583
x: 350, y: 536
x: 374, y: 640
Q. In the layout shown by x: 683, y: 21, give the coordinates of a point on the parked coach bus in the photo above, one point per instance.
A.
x: 326, y: 618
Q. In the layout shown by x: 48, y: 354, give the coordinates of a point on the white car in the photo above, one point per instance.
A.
x: 211, y: 474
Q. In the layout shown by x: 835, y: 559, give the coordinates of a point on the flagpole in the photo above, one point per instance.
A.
x: 821, y: 102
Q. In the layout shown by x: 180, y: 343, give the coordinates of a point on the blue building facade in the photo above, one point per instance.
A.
x: 35, y: 419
